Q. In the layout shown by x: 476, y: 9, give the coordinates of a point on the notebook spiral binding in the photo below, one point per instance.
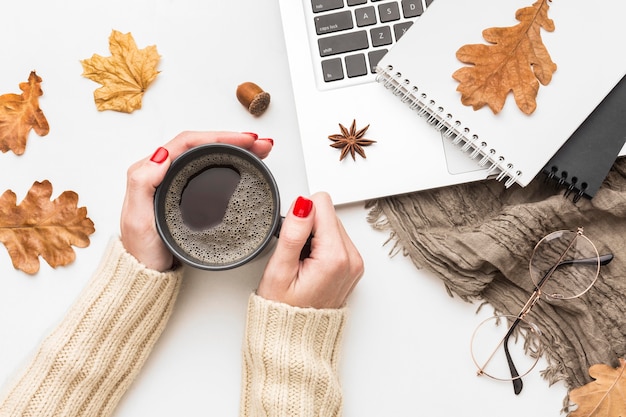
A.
x: 571, y: 184
x: 445, y: 123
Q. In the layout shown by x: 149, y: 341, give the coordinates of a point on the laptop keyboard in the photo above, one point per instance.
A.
x: 353, y: 35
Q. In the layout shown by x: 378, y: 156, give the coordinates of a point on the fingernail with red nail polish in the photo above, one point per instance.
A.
x: 270, y: 140
x: 160, y: 155
x: 302, y: 207
x: 254, y: 135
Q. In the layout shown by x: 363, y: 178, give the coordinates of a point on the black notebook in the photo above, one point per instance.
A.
x: 582, y: 163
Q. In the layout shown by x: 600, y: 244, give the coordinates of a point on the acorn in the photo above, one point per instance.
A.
x: 253, y: 98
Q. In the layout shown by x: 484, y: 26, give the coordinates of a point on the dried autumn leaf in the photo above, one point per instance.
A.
x: 19, y: 113
x: 38, y: 226
x: 124, y: 76
x: 516, y: 60
x: 606, y: 396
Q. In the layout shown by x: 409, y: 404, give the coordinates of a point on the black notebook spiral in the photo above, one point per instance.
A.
x: 582, y: 163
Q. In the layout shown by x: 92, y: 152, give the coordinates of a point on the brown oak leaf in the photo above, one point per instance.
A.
x: 124, y: 76
x: 606, y: 396
x: 516, y: 60
x: 38, y: 226
x: 19, y: 113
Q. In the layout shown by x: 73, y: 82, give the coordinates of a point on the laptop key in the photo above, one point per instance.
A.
x: 374, y: 58
x: 389, y: 12
x: 333, y: 22
x: 338, y: 44
x: 356, y: 2
x: 325, y: 5
x: 365, y: 16
x: 355, y: 65
x: 412, y: 8
x: 400, y: 29
x: 332, y: 69
x: 381, y: 36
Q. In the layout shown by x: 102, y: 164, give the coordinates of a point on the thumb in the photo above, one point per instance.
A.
x: 294, y: 232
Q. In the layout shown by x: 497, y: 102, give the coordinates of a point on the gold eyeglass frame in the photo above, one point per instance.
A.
x: 535, y: 296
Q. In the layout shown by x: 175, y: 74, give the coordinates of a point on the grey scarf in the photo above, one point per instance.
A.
x: 478, y: 239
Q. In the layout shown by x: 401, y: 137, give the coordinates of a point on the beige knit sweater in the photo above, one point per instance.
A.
x: 90, y: 359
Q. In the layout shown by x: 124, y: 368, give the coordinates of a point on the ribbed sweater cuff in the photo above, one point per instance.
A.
x: 290, y: 360
x: 89, y: 360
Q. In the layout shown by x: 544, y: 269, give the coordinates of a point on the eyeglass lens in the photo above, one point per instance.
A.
x: 564, y: 265
x: 488, y: 350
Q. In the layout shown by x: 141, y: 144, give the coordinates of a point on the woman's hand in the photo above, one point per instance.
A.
x: 138, y: 230
x: 327, y: 276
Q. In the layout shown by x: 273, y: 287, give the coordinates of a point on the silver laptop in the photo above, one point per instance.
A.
x: 333, y: 47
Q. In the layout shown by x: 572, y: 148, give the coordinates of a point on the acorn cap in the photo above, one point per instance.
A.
x: 259, y: 104
x: 253, y: 98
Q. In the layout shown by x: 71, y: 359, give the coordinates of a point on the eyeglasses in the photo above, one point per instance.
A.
x: 564, y: 265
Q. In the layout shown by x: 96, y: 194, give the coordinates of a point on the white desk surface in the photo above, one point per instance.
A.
x: 406, y: 348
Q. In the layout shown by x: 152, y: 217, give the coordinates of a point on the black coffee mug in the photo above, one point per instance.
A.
x: 218, y: 207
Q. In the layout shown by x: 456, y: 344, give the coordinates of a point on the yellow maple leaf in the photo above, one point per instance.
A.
x: 124, y: 76
x: 605, y: 396
x: 19, y: 113
x: 38, y: 226
x: 516, y: 60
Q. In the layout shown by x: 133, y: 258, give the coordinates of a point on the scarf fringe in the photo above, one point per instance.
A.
x: 379, y: 221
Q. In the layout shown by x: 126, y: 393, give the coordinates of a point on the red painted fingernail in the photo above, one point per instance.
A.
x: 254, y: 135
x: 160, y: 155
x: 303, y: 207
x: 270, y: 140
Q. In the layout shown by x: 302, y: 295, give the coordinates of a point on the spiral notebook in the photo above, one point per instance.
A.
x: 582, y: 163
x: 514, y: 146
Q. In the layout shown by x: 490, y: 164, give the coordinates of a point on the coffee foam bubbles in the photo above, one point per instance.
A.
x: 247, y: 221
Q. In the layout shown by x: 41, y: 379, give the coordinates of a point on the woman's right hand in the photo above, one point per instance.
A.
x: 327, y: 276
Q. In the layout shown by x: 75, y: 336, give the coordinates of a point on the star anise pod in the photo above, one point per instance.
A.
x: 351, y: 141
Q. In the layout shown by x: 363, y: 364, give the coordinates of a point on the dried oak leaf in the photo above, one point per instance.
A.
x: 124, y: 76
x: 606, y: 396
x: 516, y: 60
x: 19, y: 113
x: 38, y: 226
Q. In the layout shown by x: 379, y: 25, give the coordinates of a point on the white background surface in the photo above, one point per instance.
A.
x: 406, y: 348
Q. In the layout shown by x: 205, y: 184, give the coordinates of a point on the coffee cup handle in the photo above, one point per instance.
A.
x: 306, y: 249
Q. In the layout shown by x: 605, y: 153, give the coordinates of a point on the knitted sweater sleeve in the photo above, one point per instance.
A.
x: 85, y: 365
x: 290, y: 361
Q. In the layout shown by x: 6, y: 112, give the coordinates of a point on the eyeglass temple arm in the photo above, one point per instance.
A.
x: 604, y: 260
x: 517, y: 381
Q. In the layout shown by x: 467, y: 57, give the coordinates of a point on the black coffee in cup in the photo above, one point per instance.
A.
x: 217, y: 207
x: 216, y: 185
